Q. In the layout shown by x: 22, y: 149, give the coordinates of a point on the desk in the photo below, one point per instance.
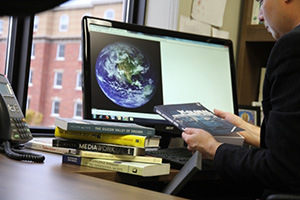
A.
x: 54, y: 180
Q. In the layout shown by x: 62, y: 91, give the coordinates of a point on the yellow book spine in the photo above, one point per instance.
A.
x: 143, y: 159
x: 129, y: 140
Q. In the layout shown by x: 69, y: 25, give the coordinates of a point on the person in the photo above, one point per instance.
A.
x: 273, y: 166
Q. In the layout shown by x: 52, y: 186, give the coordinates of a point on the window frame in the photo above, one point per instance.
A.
x: 36, y: 23
x: 19, y: 46
x: 109, y: 12
x: 80, y: 52
x: 28, y: 102
x: 78, y: 80
x: 63, y: 23
x: 32, y: 54
x: 18, y: 56
x: 1, y: 26
x: 60, y: 47
x: 55, y: 101
x: 30, y: 83
x: 76, y: 104
x: 58, y: 79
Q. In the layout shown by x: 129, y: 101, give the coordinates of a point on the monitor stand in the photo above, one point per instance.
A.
x: 193, y: 165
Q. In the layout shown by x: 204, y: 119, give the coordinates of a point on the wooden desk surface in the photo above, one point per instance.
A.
x: 54, y: 180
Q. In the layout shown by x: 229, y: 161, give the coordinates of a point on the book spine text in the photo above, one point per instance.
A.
x: 97, y: 147
x: 130, y: 140
x: 143, y: 159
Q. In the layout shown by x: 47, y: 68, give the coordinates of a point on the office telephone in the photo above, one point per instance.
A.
x: 13, y: 127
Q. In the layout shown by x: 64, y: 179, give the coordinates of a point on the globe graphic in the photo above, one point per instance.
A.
x: 125, y: 75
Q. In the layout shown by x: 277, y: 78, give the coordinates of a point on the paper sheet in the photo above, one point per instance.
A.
x: 192, y: 26
x: 209, y: 11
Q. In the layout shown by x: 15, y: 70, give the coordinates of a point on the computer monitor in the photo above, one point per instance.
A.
x: 128, y: 69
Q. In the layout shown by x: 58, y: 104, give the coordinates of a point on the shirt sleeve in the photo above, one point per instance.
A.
x: 276, y: 166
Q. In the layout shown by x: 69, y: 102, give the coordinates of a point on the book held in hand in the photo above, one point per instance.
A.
x: 195, y: 115
x: 69, y: 124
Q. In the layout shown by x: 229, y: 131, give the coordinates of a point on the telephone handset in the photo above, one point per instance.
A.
x: 13, y: 127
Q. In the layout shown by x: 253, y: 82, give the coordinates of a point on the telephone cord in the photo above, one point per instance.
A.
x: 21, y: 155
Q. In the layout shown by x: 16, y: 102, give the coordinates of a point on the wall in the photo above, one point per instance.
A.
x: 158, y: 14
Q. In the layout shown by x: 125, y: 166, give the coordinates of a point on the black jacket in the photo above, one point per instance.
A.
x: 276, y: 164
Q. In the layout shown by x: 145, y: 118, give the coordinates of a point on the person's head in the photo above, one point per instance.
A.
x: 280, y: 16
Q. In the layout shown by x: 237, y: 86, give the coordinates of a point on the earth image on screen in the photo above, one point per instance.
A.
x: 125, y: 75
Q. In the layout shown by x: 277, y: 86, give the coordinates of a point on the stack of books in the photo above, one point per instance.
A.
x: 109, y: 145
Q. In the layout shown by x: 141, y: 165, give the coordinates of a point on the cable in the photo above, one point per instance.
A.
x: 21, y: 155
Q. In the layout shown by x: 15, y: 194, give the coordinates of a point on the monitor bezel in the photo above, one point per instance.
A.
x: 161, y: 125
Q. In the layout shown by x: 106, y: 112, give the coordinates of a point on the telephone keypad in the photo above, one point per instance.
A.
x: 20, y: 128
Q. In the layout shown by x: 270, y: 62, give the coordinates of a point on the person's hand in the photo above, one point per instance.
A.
x: 230, y: 117
x: 202, y: 141
x: 251, y: 133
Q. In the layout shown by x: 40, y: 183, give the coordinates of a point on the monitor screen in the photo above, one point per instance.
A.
x: 128, y: 69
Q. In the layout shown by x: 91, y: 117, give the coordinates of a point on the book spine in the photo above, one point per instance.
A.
x: 149, y: 132
x: 71, y: 159
x: 170, y: 119
x: 49, y: 148
x: 134, y: 168
x: 111, y: 130
x: 90, y: 162
x: 143, y: 159
x: 130, y: 140
x: 113, y: 166
x: 97, y: 147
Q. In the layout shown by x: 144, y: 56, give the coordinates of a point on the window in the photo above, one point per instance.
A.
x: 109, y: 14
x: 28, y: 103
x: 57, y: 37
x: 78, y: 81
x: 4, y: 21
x: 60, y: 53
x: 80, y: 53
x: 78, y: 109
x: 58, y: 80
x: 1, y: 26
x: 36, y: 23
x: 64, y: 23
x: 33, y: 51
x: 55, y: 107
x: 30, y: 78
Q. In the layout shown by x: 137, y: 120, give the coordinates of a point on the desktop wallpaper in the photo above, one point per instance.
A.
x: 126, y: 74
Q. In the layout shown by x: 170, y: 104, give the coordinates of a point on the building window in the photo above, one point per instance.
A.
x: 58, y: 80
x: 60, y: 53
x: 30, y: 78
x: 109, y: 14
x: 53, y: 33
x: 1, y: 26
x: 55, y: 107
x: 78, y: 109
x: 36, y: 23
x: 63, y: 23
x: 33, y: 51
x: 80, y: 53
x: 79, y: 81
x: 28, y: 103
